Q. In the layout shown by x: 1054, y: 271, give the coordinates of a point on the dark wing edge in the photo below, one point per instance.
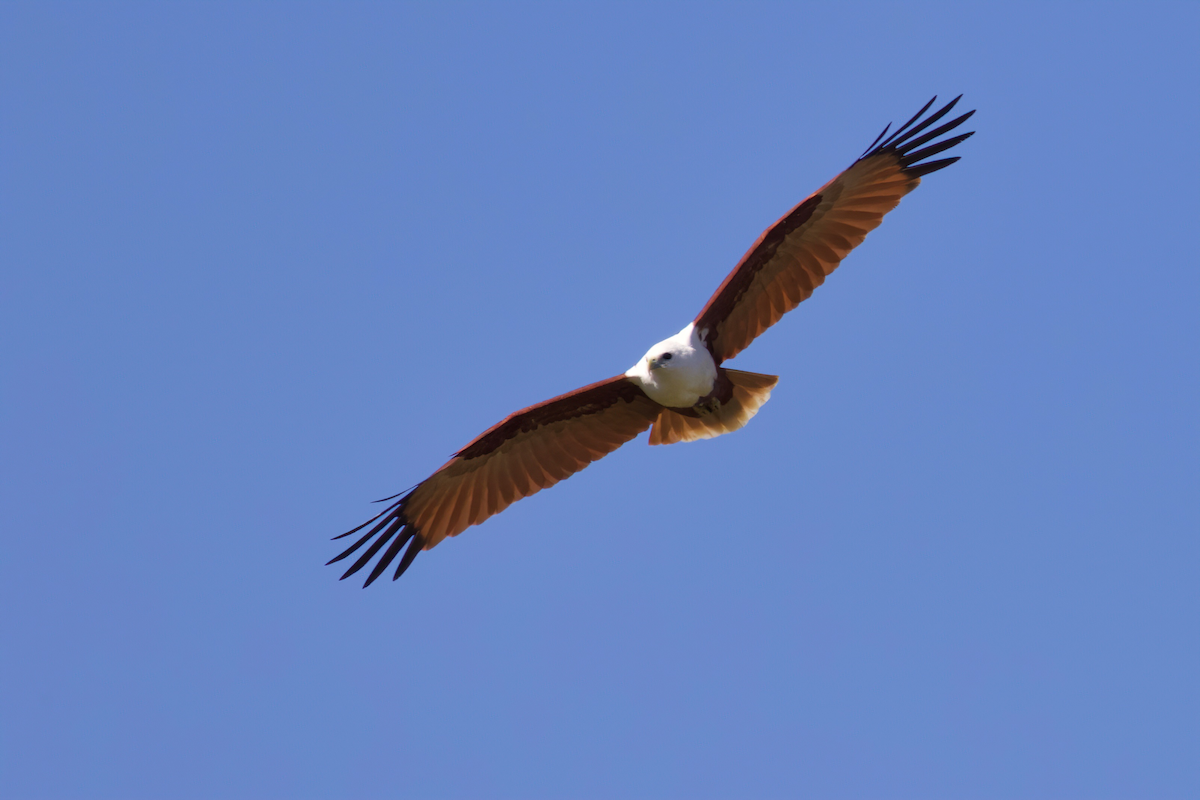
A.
x: 397, y: 523
x: 905, y: 146
x: 392, y: 521
x: 901, y: 145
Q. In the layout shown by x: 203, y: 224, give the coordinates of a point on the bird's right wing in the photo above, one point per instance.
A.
x: 528, y: 451
x: 795, y: 255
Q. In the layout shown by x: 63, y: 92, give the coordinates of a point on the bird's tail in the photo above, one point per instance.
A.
x: 750, y: 391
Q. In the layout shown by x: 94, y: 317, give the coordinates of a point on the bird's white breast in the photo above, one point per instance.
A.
x: 681, y: 380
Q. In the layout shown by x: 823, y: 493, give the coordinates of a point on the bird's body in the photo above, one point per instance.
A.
x: 680, y: 389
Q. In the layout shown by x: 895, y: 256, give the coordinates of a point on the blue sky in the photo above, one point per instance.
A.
x: 265, y: 263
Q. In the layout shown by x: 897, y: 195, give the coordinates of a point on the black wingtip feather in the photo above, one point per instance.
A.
x: 934, y: 149
x: 877, y: 139
x: 915, y: 117
x: 397, y: 494
x: 366, y: 537
x: 897, y: 141
x: 414, y: 547
x: 905, y: 141
x: 360, y: 527
x: 913, y: 144
x: 389, y: 522
x: 921, y: 170
x: 387, y: 534
x: 388, y: 555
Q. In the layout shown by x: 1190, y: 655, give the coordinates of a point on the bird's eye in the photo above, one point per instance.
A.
x: 665, y: 356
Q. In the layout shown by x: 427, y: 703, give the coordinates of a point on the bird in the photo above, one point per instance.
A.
x: 679, y: 389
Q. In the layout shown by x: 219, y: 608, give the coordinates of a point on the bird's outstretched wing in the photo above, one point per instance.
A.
x: 528, y: 451
x: 794, y: 255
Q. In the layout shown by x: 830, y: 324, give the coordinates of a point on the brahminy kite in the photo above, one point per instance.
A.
x: 678, y: 389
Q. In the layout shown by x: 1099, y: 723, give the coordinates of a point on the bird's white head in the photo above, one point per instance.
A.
x: 677, y: 371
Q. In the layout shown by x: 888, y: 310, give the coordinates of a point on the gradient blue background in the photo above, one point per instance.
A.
x: 264, y: 263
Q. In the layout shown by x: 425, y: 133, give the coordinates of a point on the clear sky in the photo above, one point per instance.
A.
x: 263, y: 263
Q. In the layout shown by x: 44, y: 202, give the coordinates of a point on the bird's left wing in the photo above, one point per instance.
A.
x: 794, y: 255
x: 528, y: 451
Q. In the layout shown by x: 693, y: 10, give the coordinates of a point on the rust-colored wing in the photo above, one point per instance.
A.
x: 529, y: 451
x: 794, y: 255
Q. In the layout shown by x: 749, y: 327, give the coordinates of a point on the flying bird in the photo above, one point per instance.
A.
x: 679, y: 389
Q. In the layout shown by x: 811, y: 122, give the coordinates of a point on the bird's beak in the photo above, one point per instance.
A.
x: 653, y: 363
